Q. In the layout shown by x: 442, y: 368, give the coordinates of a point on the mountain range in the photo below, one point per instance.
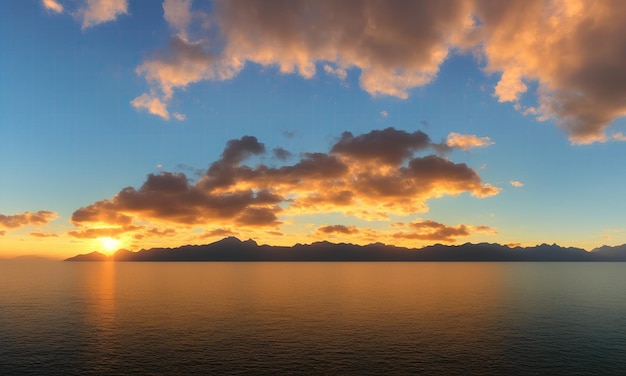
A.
x: 233, y: 249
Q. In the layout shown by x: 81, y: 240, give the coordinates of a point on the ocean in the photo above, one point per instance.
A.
x: 284, y: 318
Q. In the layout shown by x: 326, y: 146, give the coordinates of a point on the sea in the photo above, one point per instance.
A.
x: 306, y: 318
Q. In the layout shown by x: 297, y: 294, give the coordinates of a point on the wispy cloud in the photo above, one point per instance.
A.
x: 178, y: 15
x: 467, y: 141
x: 39, y: 234
x: 89, y: 12
x: 152, y: 103
x: 516, y: 183
x: 95, y: 12
x: 52, y: 5
x: 618, y: 136
x: 434, y: 231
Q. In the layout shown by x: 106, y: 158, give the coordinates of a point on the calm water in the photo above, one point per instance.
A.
x: 312, y: 318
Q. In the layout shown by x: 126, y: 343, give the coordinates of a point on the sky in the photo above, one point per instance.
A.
x: 135, y: 124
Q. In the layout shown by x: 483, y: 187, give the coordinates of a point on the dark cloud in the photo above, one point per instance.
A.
x: 258, y: 217
x: 389, y: 146
x: 281, y: 154
x: 434, y: 231
x: 349, y: 179
x: 238, y: 150
x: 338, y: 229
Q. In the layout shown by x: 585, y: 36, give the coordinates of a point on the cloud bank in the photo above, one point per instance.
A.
x: 572, y: 50
x: 368, y: 176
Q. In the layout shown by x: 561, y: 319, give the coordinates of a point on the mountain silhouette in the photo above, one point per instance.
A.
x: 233, y: 249
x: 93, y: 256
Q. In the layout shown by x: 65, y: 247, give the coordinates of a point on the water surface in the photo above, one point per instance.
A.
x: 313, y: 318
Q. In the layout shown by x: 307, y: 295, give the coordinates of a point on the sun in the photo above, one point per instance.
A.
x: 109, y: 244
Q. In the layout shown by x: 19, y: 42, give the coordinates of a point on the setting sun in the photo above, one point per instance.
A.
x: 109, y: 244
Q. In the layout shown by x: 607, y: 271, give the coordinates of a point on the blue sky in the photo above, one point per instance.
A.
x: 70, y: 136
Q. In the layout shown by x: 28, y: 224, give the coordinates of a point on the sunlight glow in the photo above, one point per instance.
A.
x: 109, y: 244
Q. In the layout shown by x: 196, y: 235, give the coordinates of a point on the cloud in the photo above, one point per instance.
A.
x: 389, y: 146
x: 516, y: 183
x: 396, y: 46
x: 42, y: 217
x: 238, y: 150
x: 338, y: 229
x: 570, y: 49
x: 43, y: 235
x: 153, y: 104
x: 434, y: 231
x: 178, y: 116
x: 467, y: 141
x: 52, y: 5
x: 182, y: 64
x: 349, y: 179
x: 92, y: 233
x: 618, y: 136
x: 95, y: 12
x: 178, y: 15
x: 220, y: 232
x: 289, y: 134
x: 340, y: 73
x: 384, y: 113
x: 281, y: 154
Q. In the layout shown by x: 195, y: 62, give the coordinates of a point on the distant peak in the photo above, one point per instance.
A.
x: 93, y: 256
x: 251, y: 242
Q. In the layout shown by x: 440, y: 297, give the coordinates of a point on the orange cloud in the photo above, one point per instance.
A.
x: 467, y: 141
x: 42, y: 217
x: 52, y: 5
x: 570, y: 48
x: 153, y: 104
x: 43, y: 235
x: 435, y: 231
x: 178, y: 15
x: 90, y: 12
x: 220, y: 232
x: 349, y: 179
x: 95, y: 12
x: 396, y: 45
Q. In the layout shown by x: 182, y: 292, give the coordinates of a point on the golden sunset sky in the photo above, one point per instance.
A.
x: 135, y: 124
